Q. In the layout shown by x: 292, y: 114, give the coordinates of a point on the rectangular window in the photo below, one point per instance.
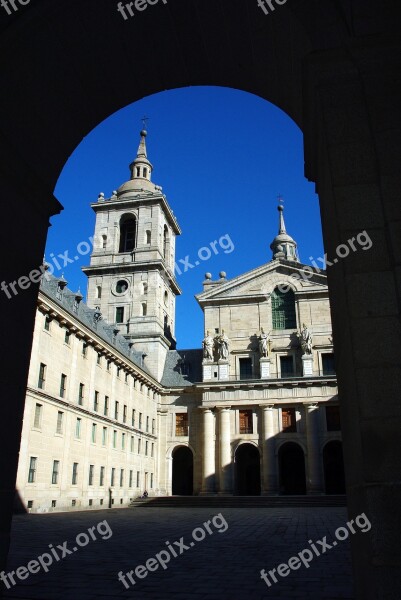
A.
x: 121, y: 477
x: 139, y: 446
x: 47, y: 323
x: 286, y: 366
x: 37, y: 422
x: 245, y: 368
x: 63, y: 385
x: 101, y: 480
x: 140, y: 421
x: 42, y: 376
x: 60, y: 418
x: 78, y: 428
x: 116, y: 410
x: 132, y: 443
x: 123, y: 441
x: 147, y: 424
x: 125, y: 413
x: 131, y: 478
x: 138, y: 479
x: 146, y: 447
x: 94, y: 427
x: 153, y: 426
x: 181, y: 424
x: 104, y: 436
x: 113, y: 475
x: 288, y: 420
x: 120, y: 314
x: 106, y: 406
x: 96, y: 402
x: 152, y: 451
x: 115, y: 438
x: 328, y: 364
x: 74, y: 473
x: 32, y: 469
x: 67, y: 337
x: 151, y: 481
x: 245, y: 421
x: 333, y: 418
x: 133, y: 417
x: 81, y: 394
x: 91, y: 474
x: 84, y: 349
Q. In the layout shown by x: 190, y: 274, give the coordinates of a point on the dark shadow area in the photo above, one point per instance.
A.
x: 247, y: 470
x: 333, y: 464
x: 291, y: 462
x: 183, y: 469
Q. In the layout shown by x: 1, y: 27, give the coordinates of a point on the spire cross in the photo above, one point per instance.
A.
x: 145, y: 120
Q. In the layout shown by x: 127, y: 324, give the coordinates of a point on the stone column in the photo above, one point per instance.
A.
x: 269, y: 467
x: 208, y: 453
x: 314, y: 483
x: 225, y: 462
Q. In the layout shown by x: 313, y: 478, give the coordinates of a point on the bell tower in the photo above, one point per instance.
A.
x: 131, y: 273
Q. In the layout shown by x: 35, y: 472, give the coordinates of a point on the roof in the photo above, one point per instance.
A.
x: 183, y: 368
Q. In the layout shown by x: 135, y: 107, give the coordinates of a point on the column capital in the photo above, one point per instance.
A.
x: 222, y: 408
x: 311, y: 405
x: 267, y: 406
x: 206, y: 408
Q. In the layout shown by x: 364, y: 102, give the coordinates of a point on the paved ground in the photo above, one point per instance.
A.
x: 223, y: 566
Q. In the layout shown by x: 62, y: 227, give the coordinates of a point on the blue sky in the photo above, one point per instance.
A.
x: 222, y: 157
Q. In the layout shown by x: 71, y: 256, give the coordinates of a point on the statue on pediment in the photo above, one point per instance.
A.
x: 223, y: 346
x: 208, y: 346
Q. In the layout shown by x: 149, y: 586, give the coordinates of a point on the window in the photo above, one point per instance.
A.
x: 108, y: 364
x: 127, y: 234
x: 131, y: 477
x: 245, y: 421
x: 118, y: 371
x: 120, y: 314
x: 151, y: 481
x: 96, y: 402
x: 153, y: 425
x: 104, y: 436
x: 152, y: 453
x: 84, y: 349
x: 121, y: 477
x: 60, y: 417
x: 181, y: 424
x: 74, y: 473
x: 138, y: 477
x: 37, y: 422
x: 101, y: 480
x: 132, y: 443
x: 113, y: 475
x: 78, y: 428
x: 288, y: 421
x: 245, y: 368
x: 81, y: 394
x: 148, y: 237
x: 144, y: 309
x: 47, y: 323
x: 115, y: 438
x: 91, y: 473
x: 287, y: 366
x: 99, y: 359
x: 140, y: 421
x: 123, y: 441
x: 145, y: 172
x: 54, y: 502
x: 67, y: 337
x: 42, y: 376
x: 139, y: 446
x: 333, y: 422
x: 147, y: 424
x: 63, y: 382
x: 94, y: 427
x: 98, y: 291
x: 283, y: 309
x: 126, y: 378
x: 125, y: 413
x: 328, y: 364
x: 29, y: 504
x: 165, y: 241
x: 106, y: 406
x: 32, y: 469
x: 121, y: 286
x: 116, y: 410
x: 138, y: 171
x: 104, y: 242
x: 146, y: 447
x: 133, y: 417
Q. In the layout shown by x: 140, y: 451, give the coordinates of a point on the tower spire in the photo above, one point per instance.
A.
x: 283, y: 246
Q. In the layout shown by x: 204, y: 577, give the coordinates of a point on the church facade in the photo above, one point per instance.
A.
x: 113, y: 408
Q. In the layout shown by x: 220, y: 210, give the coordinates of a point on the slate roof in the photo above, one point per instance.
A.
x: 183, y: 368
x: 84, y: 314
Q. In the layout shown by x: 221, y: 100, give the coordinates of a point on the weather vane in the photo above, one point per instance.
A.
x: 145, y: 120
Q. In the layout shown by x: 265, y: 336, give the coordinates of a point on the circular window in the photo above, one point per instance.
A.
x: 121, y: 286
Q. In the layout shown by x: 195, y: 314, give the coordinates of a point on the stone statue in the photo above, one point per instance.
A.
x: 208, y: 345
x: 305, y: 338
x: 223, y: 346
x: 263, y: 343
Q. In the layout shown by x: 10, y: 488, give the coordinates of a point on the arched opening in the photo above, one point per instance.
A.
x: 333, y: 465
x: 291, y: 461
x: 183, y: 471
x: 127, y: 233
x: 247, y: 470
x: 283, y: 309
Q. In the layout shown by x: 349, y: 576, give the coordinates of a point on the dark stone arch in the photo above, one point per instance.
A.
x: 291, y: 460
x: 247, y: 470
x: 183, y: 471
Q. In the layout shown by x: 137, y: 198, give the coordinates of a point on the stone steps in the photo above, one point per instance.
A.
x: 238, y: 501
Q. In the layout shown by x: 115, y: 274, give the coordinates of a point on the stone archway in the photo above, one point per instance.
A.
x: 333, y: 465
x: 336, y: 75
x: 247, y: 470
x: 292, y: 477
x: 183, y: 471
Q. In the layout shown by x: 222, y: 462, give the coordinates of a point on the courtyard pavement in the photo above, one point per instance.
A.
x: 223, y: 565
